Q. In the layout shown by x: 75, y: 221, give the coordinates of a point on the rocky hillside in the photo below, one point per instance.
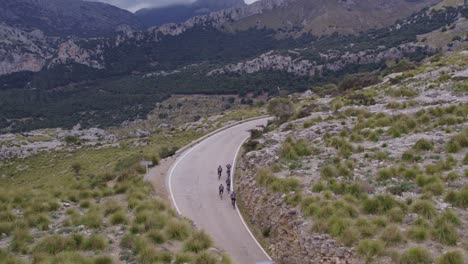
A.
x: 33, y: 51
x: 321, y: 17
x: 376, y: 174
x: 66, y: 17
x: 179, y: 13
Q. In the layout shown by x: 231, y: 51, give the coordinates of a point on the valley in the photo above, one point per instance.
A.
x: 354, y: 115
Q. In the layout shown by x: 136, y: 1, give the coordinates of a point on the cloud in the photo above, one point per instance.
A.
x: 134, y: 5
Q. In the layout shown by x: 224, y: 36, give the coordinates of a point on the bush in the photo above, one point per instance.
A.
x: 8, y: 258
x: 378, y: 204
x: 445, y: 233
x: 457, y: 142
x: 177, y: 229
x: 166, y: 152
x: 55, y: 244
x: 205, y: 258
x: 417, y: 233
x: 266, y: 178
x: 198, y: 242
x: 118, y: 218
x: 328, y: 171
x: 94, y: 242
x: 416, y: 255
x: 451, y: 257
x: 369, y: 249
x: 458, y: 198
x: 92, y: 218
x: 156, y: 236
x: 358, y: 81
x: 292, y: 150
x: 423, y: 207
x: 423, y: 144
x: 281, y: 108
x: 448, y: 216
x: 391, y: 235
x: 403, y: 92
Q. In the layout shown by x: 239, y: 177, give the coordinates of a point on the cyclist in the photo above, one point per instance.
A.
x: 221, y: 191
x: 228, y: 185
x: 220, y: 170
x: 233, y: 199
x: 228, y: 169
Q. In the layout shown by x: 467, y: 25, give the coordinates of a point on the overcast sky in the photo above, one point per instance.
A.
x: 134, y: 5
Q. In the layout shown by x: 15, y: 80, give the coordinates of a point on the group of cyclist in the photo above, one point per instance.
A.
x: 228, y: 184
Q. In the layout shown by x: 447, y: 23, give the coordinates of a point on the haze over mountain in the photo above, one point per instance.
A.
x: 66, y: 17
x: 180, y: 12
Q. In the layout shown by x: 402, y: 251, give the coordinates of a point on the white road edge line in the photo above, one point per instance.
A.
x: 237, y: 208
x: 232, y: 184
x: 175, y: 165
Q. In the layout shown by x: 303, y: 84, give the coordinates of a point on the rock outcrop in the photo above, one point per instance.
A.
x: 289, y: 237
x: 333, y: 61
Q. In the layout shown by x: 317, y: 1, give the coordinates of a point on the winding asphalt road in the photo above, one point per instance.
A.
x: 193, y: 185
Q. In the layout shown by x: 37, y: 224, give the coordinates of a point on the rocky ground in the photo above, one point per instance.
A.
x: 373, y: 175
x: 198, y: 113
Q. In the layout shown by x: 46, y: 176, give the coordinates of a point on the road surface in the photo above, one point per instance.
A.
x: 193, y: 184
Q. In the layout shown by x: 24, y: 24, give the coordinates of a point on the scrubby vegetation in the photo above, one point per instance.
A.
x: 105, y: 213
x: 387, y: 179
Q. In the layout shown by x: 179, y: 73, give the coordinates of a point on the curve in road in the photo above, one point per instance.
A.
x: 193, y: 185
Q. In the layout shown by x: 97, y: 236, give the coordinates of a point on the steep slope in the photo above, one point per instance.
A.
x: 321, y: 17
x: 181, y: 12
x: 66, y: 17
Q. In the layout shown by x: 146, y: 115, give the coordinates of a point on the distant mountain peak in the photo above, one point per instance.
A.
x: 66, y: 17
x: 181, y: 12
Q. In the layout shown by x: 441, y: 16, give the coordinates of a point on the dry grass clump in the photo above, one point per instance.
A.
x: 416, y: 255
x: 292, y: 150
x: 266, y: 178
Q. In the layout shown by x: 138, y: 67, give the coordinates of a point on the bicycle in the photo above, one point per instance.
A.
x: 221, y: 191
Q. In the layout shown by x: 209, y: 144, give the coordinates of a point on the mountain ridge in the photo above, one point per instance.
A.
x: 61, y: 18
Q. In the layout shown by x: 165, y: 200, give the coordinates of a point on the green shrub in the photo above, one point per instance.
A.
x: 103, y: 260
x: 337, y: 225
x: 328, y: 171
x: 6, y: 228
x: 92, y: 218
x: 349, y: 237
x: 416, y: 255
x: 391, y: 235
x: 118, y: 218
x: 111, y: 206
x: 21, y: 237
x: 423, y: 207
x: 396, y: 215
x: 8, y: 258
x: 378, y: 204
x: 182, y: 258
x: 445, y: 233
x: 281, y: 108
x: 423, y: 144
x: 198, y: 242
x: 365, y: 227
x: 403, y: 92
x: 205, y: 258
x: 177, y: 229
x: 448, y: 216
x: 451, y: 257
x: 55, y: 244
x: 94, y: 242
x: 292, y: 150
x: 458, y: 198
x: 417, y: 233
x: 457, y: 142
x: 266, y: 178
x: 370, y: 249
